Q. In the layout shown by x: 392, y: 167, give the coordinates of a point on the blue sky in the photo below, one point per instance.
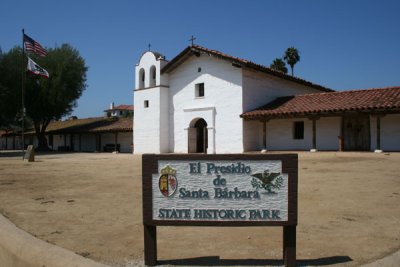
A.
x: 343, y: 44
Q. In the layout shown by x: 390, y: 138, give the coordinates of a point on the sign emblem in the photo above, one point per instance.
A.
x: 168, y: 182
x: 267, y: 180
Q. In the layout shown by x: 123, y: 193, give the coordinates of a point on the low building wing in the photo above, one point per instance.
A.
x: 385, y: 100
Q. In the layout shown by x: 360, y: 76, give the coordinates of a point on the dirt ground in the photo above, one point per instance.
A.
x: 349, y: 211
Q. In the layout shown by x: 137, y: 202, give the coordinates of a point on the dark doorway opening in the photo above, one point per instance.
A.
x: 198, y: 136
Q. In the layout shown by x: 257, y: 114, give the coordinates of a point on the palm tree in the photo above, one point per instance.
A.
x: 279, y: 65
x: 291, y: 57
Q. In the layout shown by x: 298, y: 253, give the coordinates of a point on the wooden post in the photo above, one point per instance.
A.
x: 150, y: 245
x: 265, y: 135
x: 314, y: 134
x: 289, y: 246
x: 378, y: 132
x: 71, y: 142
x: 65, y: 141
x: 264, y: 149
x: 80, y: 142
x: 341, y: 137
x: 116, y: 142
x: 100, y: 142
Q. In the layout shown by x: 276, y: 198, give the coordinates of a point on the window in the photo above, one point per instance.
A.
x: 298, y: 130
x: 199, y: 90
x: 146, y: 103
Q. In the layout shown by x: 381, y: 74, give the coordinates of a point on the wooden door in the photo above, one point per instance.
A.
x: 356, y: 132
x: 192, y: 140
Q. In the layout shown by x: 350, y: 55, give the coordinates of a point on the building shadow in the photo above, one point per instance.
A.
x: 10, y: 154
x: 216, y: 261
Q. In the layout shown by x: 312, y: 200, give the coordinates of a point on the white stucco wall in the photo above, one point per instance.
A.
x: 390, y: 132
x: 58, y: 140
x: 261, y: 88
x: 252, y: 135
x: 328, y: 129
x: 221, y: 105
x: 151, y: 123
x: 280, y: 135
x: 147, y: 121
x: 125, y: 141
x: 164, y: 121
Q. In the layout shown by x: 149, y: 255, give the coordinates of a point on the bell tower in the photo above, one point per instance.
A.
x: 151, y: 105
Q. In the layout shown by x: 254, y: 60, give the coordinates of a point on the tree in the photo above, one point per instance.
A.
x: 291, y: 57
x: 50, y: 98
x: 10, y: 87
x: 279, y: 65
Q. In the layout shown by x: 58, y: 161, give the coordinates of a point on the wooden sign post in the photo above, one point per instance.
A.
x: 220, y: 190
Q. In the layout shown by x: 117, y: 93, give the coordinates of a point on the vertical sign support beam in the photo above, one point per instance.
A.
x: 150, y: 245
x: 289, y: 246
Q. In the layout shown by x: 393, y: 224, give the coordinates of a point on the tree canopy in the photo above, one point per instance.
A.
x: 10, y: 87
x: 279, y: 65
x: 291, y: 57
x: 50, y: 98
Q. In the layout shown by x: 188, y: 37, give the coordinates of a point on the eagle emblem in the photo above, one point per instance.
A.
x: 267, y: 180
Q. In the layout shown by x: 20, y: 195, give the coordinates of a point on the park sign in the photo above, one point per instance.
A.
x: 220, y: 190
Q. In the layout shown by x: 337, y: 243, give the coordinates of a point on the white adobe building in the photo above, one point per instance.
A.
x: 123, y: 111
x: 204, y: 101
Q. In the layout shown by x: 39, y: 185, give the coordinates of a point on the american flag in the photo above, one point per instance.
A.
x: 33, y: 46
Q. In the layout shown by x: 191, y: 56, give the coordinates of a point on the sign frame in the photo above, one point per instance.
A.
x: 150, y: 167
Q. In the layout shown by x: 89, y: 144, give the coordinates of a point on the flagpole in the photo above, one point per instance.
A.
x: 23, y: 95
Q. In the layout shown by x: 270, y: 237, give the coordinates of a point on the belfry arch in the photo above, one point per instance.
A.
x: 198, y: 136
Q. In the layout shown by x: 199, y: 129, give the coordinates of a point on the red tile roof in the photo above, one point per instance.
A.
x: 121, y: 107
x: 369, y: 100
x: 197, y: 50
x: 90, y: 125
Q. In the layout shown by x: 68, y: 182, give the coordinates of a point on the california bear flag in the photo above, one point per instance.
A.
x: 36, y: 69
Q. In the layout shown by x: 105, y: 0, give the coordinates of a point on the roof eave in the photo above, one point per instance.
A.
x: 291, y: 115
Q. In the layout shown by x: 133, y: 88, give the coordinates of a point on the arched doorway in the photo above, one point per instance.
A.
x: 198, y: 136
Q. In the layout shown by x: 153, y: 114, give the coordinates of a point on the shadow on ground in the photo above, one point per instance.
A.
x: 215, y: 260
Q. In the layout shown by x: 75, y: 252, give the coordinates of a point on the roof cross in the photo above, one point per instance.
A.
x: 192, y: 39
x: 149, y: 46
